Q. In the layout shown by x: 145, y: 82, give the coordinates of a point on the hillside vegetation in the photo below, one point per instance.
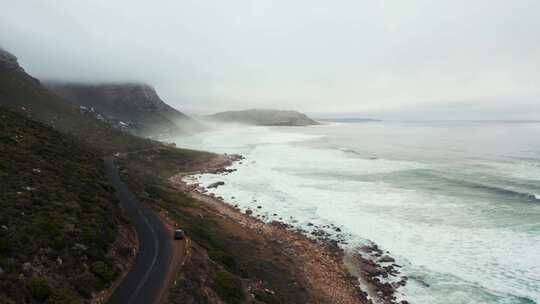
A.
x: 59, y: 216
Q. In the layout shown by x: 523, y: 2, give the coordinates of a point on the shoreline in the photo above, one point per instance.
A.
x: 344, y: 276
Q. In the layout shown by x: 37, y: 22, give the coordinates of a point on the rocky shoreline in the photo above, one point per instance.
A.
x: 363, y: 275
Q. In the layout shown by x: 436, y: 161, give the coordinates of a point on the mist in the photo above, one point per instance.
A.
x: 385, y: 59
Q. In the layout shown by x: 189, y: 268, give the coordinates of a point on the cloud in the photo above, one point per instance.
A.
x: 315, y: 56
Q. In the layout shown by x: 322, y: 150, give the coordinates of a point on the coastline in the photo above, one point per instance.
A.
x: 343, y: 276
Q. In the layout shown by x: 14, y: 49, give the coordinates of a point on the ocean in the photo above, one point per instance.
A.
x: 456, y: 203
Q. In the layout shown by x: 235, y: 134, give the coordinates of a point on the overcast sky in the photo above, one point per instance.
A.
x: 455, y: 59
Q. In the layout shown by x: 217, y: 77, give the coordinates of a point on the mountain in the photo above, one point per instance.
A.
x: 135, y: 107
x: 24, y: 94
x: 60, y: 223
x: 264, y: 118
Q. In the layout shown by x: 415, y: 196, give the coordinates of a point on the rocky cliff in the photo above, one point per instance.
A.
x: 136, y: 107
x: 8, y: 61
x: 24, y: 94
x: 264, y: 118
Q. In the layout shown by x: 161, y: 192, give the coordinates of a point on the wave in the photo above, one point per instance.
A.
x: 352, y: 151
x: 530, y: 197
x: 348, y: 150
x: 454, y: 287
x: 495, y: 189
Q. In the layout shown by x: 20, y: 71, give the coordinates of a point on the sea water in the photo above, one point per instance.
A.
x: 456, y: 203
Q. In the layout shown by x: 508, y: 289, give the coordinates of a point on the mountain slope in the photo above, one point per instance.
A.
x: 59, y: 219
x: 25, y: 94
x: 137, y: 107
x: 264, y: 118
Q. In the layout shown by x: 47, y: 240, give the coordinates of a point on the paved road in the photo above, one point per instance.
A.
x: 145, y: 280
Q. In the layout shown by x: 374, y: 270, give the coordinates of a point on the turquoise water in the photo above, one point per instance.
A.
x: 457, y: 203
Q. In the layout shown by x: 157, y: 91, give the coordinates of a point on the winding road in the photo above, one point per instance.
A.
x: 145, y: 282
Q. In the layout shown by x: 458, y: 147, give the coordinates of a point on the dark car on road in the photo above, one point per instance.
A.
x: 179, y: 234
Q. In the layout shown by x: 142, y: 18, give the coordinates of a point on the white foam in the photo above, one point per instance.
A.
x: 449, y: 240
x: 241, y: 139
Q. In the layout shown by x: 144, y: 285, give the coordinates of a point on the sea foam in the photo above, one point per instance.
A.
x: 463, y: 243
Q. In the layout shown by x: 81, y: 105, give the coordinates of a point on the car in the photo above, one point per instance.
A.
x: 179, y: 234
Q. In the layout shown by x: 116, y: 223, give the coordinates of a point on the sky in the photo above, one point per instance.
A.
x: 416, y: 59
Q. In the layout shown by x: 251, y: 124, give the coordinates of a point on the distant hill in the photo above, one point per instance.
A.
x: 24, y: 94
x: 350, y: 119
x: 264, y: 118
x: 59, y: 218
x: 135, y: 107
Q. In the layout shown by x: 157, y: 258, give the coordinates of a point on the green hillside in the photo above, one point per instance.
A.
x: 59, y: 216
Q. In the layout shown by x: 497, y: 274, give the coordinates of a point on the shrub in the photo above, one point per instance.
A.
x: 103, y: 271
x: 4, y: 245
x: 58, y: 243
x: 226, y: 259
x: 86, y: 283
x: 63, y: 296
x: 266, y: 297
x: 228, y: 287
x: 39, y: 288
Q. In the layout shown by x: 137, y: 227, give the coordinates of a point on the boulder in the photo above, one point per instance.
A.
x: 216, y: 184
x: 371, y: 270
x: 386, y: 259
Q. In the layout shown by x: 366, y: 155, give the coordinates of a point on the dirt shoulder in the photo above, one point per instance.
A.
x: 177, y: 255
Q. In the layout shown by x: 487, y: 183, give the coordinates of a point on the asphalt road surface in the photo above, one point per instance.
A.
x: 145, y: 280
